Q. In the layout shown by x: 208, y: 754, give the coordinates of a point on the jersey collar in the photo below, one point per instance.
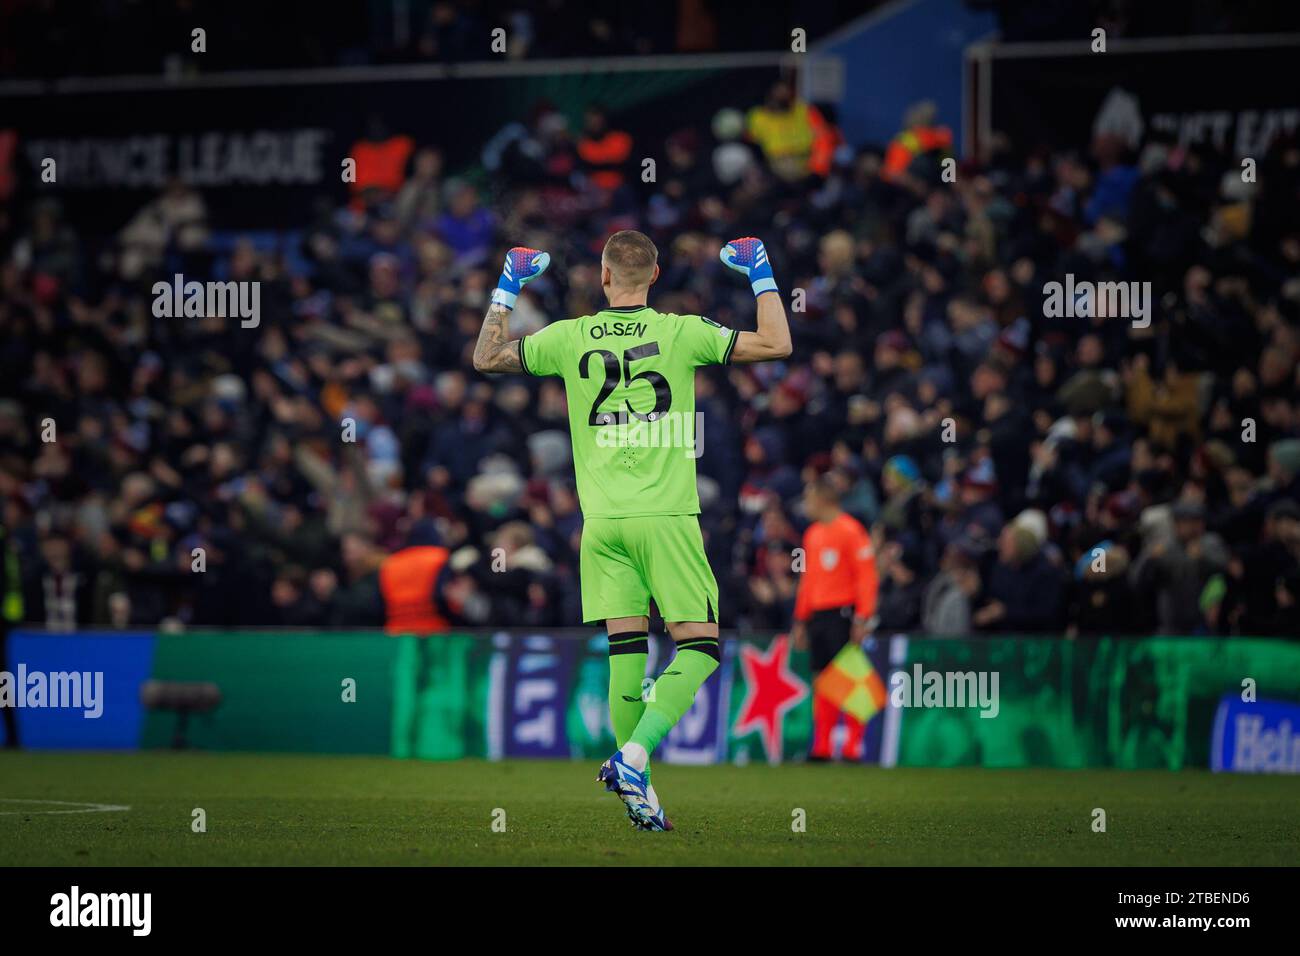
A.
x: 625, y: 308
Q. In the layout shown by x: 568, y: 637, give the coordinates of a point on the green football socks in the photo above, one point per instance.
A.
x: 673, y: 693
x: 627, y: 660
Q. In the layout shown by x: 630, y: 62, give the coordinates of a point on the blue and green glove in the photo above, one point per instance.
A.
x: 749, y: 256
x: 523, y: 265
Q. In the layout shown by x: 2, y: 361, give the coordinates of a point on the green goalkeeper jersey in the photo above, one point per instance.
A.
x: 629, y: 374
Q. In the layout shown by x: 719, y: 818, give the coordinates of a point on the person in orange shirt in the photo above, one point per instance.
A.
x: 918, y: 137
x: 381, y: 159
x: 836, y: 601
x: 419, y: 590
x: 605, y: 153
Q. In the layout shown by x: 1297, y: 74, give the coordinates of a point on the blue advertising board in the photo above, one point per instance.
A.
x: 1261, y: 736
x: 77, y: 690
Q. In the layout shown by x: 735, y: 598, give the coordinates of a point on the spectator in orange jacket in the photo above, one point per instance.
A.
x: 605, y: 153
x: 836, y: 601
x: 381, y: 159
x: 919, y: 137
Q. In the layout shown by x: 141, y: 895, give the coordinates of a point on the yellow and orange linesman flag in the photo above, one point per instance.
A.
x: 852, y: 684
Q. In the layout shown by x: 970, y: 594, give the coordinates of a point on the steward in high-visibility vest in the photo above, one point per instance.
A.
x: 11, y: 581
x: 786, y: 129
x: 919, y: 136
x: 605, y: 152
x: 11, y: 613
x: 408, y: 582
x: 381, y: 160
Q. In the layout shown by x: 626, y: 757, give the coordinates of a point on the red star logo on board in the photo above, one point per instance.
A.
x: 771, y: 689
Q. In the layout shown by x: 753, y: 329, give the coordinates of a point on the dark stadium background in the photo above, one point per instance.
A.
x: 920, y: 286
x: 885, y: 287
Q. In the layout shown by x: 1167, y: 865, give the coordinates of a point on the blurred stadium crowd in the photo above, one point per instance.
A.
x: 1096, y: 478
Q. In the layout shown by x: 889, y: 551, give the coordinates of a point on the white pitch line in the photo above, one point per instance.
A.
x: 85, y: 807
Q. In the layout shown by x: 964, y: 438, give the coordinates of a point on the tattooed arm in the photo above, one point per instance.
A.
x: 496, y: 351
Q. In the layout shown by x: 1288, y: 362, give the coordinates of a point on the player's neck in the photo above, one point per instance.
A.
x: 619, y: 299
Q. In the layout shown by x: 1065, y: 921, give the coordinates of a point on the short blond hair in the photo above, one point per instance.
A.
x: 631, y: 257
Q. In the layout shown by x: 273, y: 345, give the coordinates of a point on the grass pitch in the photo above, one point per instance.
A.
x: 309, y: 810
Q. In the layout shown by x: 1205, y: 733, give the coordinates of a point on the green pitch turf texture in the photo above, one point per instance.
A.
x: 309, y: 810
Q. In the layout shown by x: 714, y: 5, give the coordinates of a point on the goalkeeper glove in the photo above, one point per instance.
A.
x: 523, y: 265
x: 748, y: 255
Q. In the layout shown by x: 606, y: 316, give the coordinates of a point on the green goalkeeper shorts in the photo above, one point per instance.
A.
x: 624, y: 562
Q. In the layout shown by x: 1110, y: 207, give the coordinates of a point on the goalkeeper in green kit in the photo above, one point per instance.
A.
x: 629, y: 375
